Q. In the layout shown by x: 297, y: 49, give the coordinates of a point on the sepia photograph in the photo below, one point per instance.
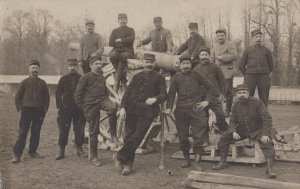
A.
x: 149, y: 94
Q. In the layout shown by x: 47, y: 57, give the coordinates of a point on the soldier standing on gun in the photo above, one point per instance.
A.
x: 68, y: 111
x: 91, y: 45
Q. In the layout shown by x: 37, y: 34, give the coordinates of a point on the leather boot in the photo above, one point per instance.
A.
x: 222, y: 163
x: 187, y: 161
x: 269, y: 170
x: 16, y: 159
x: 93, y: 147
x: 198, y: 162
x: 81, y: 153
x: 61, y: 154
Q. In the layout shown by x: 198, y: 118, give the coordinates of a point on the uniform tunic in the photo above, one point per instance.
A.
x: 192, y: 45
x: 161, y: 40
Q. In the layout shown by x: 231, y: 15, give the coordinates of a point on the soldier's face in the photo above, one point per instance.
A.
x: 204, y: 57
x: 221, y: 37
x: 90, y: 27
x: 72, y: 67
x: 158, y: 24
x: 33, y: 70
x: 257, y: 39
x: 185, y: 66
x: 149, y: 64
x: 193, y: 31
x: 123, y: 21
x: 242, y: 95
x: 96, y: 66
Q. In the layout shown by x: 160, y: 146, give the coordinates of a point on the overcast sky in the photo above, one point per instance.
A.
x: 140, y: 12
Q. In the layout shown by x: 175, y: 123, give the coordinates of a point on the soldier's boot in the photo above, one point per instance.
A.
x: 187, y: 160
x: 269, y: 170
x: 222, y: 163
x: 61, y: 153
x: 127, y: 170
x: 16, y: 159
x: 198, y: 165
x: 80, y: 152
x: 93, y: 151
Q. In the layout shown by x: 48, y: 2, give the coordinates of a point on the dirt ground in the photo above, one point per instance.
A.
x: 75, y: 172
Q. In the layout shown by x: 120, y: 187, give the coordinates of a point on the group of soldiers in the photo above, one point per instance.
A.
x: 204, y: 80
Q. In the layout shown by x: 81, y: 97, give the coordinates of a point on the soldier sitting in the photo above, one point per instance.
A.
x: 249, y: 119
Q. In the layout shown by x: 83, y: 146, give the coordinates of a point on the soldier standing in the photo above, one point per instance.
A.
x: 121, y: 39
x: 160, y: 38
x: 91, y: 96
x: 224, y: 54
x: 68, y: 111
x: 91, y: 45
x: 192, y: 45
x: 256, y: 65
x: 214, y: 74
x: 32, y: 99
x: 249, y: 119
x: 140, y: 104
x: 190, y: 105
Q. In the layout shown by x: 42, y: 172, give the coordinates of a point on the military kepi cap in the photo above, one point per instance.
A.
x: 89, y: 21
x: 241, y: 87
x: 157, y: 19
x: 72, y: 61
x: 184, y: 57
x: 35, y: 62
x: 122, y: 15
x: 221, y: 30
x: 255, y: 32
x: 193, y: 25
x: 204, y: 49
x: 148, y: 56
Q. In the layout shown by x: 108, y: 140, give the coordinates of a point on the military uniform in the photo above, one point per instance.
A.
x: 256, y: 64
x: 32, y: 99
x: 90, y: 43
x: 188, y: 87
x: 228, y: 54
x: 121, y: 50
x: 69, y: 112
x: 192, y: 45
x: 250, y: 119
x: 214, y: 74
x: 139, y: 115
x: 91, y: 95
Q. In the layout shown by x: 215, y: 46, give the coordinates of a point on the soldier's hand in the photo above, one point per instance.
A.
x: 80, y: 63
x: 139, y: 45
x: 122, y: 113
x: 175, y: 53
x: 150, y: 101
x: 202, y: 105
x: 221, y: 98
x: 168, y: 111
x: 118, y: 40
x: 265, y: 139
x: 93, y: 55
x: 236, y: 136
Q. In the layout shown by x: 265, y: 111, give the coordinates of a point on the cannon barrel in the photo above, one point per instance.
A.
x: 163, y: 60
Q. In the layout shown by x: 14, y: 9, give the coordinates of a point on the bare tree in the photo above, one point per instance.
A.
x: 246, y: 21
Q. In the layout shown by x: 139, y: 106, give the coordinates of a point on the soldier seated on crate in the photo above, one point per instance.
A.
x: 249, y: 119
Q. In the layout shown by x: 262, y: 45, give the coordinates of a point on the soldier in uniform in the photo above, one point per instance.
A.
x: 160, y: 38
x: 140, y: 104
x: 215, y: 75
x: 224, y: 54
x: 249, y: 119
x: 121, y: 39
x: 68, y: 111
x: 32, y: 99
x: 191, y: 101
x: 192, y: 45
x: 91, y: 45
x: 91, y: 96
x: 256, y: 64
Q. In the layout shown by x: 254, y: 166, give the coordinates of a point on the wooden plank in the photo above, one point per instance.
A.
x: 234, y: 180
x: 204, y: 185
